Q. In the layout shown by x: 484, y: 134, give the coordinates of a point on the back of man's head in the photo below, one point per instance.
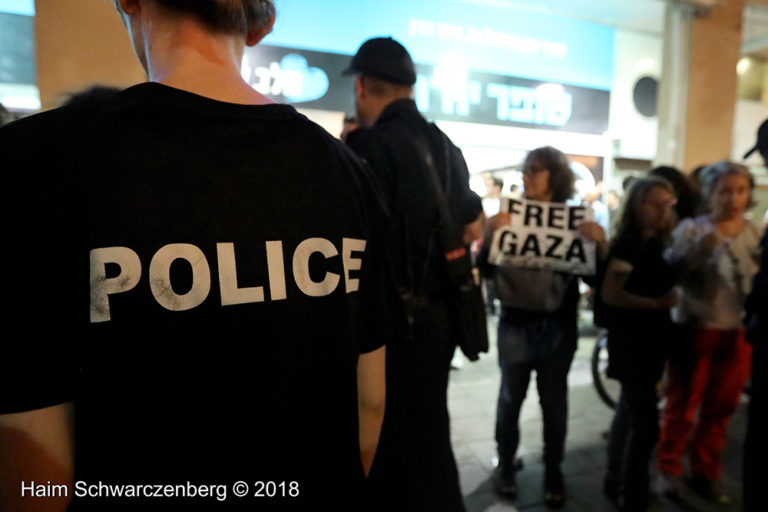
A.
x: 225, y: 16
x: 385, y: 59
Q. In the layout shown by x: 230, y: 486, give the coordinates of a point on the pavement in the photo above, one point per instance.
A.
x: 472, y: 395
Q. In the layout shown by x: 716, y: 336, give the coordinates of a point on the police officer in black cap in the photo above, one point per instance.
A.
x: 414, y: 466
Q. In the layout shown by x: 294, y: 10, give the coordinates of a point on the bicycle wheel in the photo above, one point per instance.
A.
x: 607, y: 389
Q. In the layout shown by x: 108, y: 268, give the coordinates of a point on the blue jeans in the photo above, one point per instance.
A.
x: 538, y: 345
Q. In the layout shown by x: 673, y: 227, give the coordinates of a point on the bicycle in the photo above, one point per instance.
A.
x: 607, y: 389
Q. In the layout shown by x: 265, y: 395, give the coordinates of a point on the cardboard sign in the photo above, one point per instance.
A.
x: 544, y: 235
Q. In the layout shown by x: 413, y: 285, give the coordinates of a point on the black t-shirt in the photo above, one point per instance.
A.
x: 395, y: 148
x: 637, y: 336
x: 651, y: 275
x: 235, y: 269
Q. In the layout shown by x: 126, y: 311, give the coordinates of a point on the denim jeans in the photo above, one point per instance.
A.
x: 536, y: 345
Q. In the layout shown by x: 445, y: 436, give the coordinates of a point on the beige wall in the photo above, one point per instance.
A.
x: 715, y: 51
x: 81, y: 43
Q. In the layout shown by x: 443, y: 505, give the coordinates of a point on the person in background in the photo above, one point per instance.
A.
x: 716, y: 256
x: 349, y: 125
x: 638, y: 287
x: 537, y: 331
x: 206, y: 326
x: 415, y: 468
x: 687, y: 199
x: 593, y: 198
x: 492, y: 199
x: 5, y: 116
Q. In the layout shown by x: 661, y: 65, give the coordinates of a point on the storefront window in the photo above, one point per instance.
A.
x: 18, y: 74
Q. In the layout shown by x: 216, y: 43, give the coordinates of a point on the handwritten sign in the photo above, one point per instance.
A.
x: 544, y: 235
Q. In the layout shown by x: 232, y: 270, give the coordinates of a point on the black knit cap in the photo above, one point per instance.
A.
x: 384, y: 58
x: 762, y: 140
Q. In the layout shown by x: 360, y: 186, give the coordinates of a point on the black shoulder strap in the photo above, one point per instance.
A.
x: 450, y: 231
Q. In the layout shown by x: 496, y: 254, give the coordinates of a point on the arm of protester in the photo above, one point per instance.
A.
x: 36, y: 446
x: 474, y: 229
x: 595, y: 232
x: 371, y: 394
x: 492, y: 224
x: 614, y: 293
x: 693, y: 246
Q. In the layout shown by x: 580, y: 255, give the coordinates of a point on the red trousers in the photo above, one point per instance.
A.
x: 709, y: 379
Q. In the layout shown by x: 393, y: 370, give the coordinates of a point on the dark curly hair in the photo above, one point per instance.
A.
x: 629, y: 220
x: 561, y: 178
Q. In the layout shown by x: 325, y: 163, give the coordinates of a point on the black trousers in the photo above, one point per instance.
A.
x: 414, y: 467
x: 634, y: 432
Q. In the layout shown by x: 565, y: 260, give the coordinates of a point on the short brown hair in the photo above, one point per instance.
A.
x: 380, y: 87
x: 226, y: 16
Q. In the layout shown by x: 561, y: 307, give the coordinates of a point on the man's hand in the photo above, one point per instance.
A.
x: 494, y: 223
x: 474, y: 229
x: 36, y: 446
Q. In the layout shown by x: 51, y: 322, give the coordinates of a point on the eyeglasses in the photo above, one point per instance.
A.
x: 533, y: 169
x: 662, y: 203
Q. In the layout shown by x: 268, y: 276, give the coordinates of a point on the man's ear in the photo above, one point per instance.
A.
x: 129, y: 7
x: 359, y: 87
x: 256, y: 34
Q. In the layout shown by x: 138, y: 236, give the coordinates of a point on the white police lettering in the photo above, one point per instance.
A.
x: 349, y: 246
x: 277, y: 290
x: 311, y: 253
x: 102, y: 287
x: 230, y: 293
x: 301, y: 267
x: 160, y: 277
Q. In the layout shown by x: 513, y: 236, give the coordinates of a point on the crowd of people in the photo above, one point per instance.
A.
x: 313, y: 369
x: 671, y: 289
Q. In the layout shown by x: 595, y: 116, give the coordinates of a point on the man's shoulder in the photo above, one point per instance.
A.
x: 41, y: 121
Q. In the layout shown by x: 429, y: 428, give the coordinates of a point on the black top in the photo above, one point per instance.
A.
x: 236, y: 271
x: 395, y: 148
x: 640, y: 338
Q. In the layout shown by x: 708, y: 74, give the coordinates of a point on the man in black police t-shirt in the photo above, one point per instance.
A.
x: 415, y: 467
x: 209, y: 338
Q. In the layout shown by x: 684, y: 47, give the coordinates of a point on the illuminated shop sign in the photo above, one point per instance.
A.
x: 313, y: 80
x: 490, y: 36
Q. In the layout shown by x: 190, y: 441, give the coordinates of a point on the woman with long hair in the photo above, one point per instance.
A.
x: 638, y: 290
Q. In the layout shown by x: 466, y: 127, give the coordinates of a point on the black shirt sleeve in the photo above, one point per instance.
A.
x: 382, y: 316
x: 624, y: 248
x: 37, y: 362
x: 468, y: 204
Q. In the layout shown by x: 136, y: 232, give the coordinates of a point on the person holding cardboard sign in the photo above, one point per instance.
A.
x: 537, y: 330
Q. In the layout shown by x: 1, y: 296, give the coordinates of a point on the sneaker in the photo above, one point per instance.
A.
x: 711, y: 490
x: 504, y: 480
x: 554, y: 489
x: 668, y: 485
